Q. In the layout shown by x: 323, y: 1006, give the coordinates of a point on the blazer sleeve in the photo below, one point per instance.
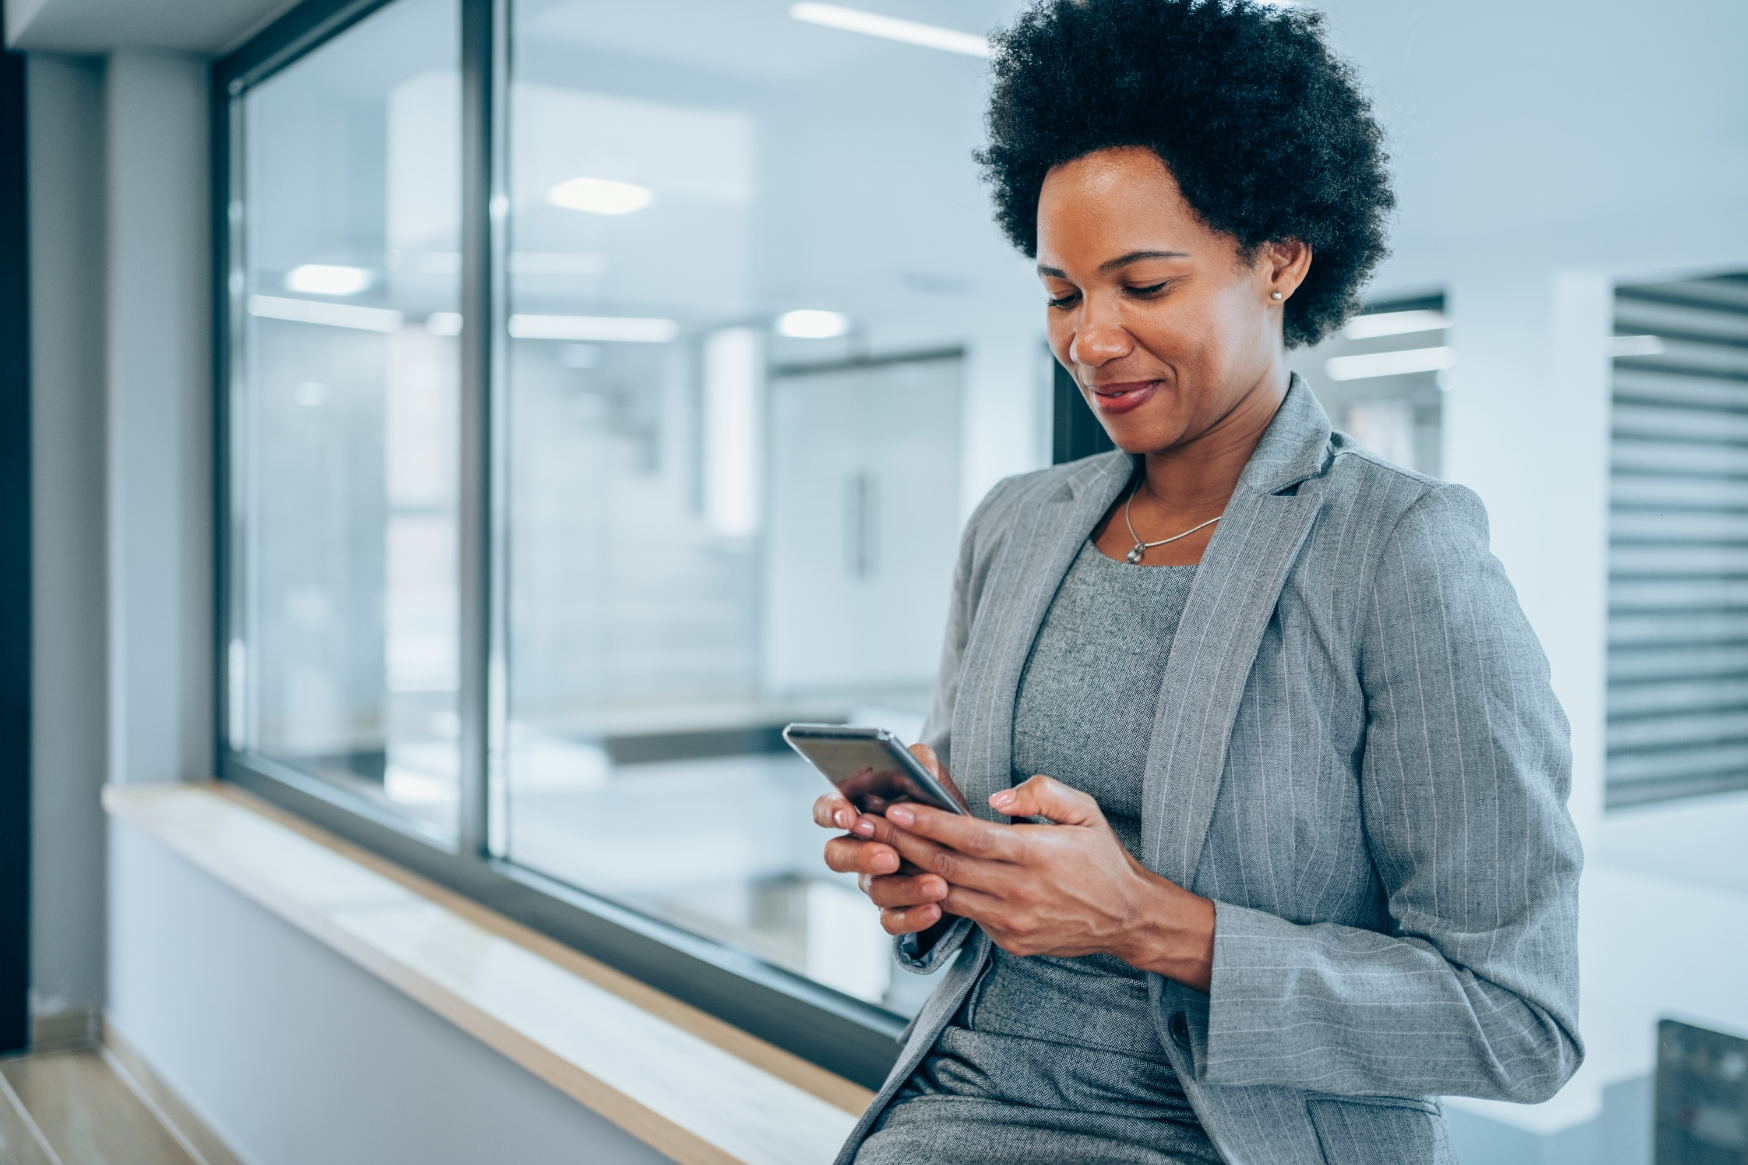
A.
x: 1473, y: 990
x: 928, y: 952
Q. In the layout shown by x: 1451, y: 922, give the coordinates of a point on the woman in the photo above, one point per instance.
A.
x: 1307, y: 862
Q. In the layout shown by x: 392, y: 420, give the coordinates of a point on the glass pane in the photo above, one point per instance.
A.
x: 1383, y: 377
x: 767, y: 349
x: 346, y: 414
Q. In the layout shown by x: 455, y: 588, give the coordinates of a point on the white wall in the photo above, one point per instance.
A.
x: 1547, y: 154
x: 294, y: 1056
x: 159, y: 427
x: 64, y: 100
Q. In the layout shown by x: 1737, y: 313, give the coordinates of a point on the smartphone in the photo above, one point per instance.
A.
x: 870, y: 767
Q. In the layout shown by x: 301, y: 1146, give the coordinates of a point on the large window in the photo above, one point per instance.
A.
x: 605, y: 388
x: 344, y: 407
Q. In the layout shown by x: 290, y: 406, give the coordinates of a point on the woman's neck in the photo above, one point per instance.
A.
x: 1201, y: 473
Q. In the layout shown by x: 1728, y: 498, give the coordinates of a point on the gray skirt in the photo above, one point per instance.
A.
x: 983, y: 1098
x: 984, y: 1132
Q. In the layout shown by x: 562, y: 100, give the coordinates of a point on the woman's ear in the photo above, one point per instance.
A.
x: 1285, y: 263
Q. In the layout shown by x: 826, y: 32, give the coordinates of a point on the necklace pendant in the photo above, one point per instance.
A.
x: 1135, y: 555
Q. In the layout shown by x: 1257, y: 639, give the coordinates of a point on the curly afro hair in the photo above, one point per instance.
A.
x: 1267, y: 132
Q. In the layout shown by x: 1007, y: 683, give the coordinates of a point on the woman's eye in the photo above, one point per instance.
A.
x: 1063, y: 301
x: 1150, y: 289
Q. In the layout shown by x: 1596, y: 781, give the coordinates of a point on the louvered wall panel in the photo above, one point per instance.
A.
x: 1678, y: 559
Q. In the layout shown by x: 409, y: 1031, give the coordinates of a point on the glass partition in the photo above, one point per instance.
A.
x: 344, y: 416
x: 749, y: 273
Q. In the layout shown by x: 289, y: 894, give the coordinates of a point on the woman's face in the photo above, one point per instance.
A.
x: 1165, y: 327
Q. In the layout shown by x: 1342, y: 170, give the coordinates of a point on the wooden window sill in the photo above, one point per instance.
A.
x: 684, y: 1082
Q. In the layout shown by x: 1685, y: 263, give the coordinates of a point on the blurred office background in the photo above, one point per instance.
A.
x: 762, y: 351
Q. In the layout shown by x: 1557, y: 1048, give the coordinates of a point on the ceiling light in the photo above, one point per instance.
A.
x: 1394, y: 323
x: 595, y: 329
x: 873, y: 24
x: 812, y: 325
x: 322, y: 279
x: 1391, y: 363
x: 333, y: 315
x: 1635, y: 345
x: 599, y: 196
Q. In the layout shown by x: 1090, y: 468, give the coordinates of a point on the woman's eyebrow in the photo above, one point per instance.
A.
x: 1137, y: 256
x: 1119, y: 261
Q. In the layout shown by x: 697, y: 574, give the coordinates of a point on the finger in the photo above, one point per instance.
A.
x: 1047, y: 797
x: 968, y: 835
x: 849, y: 855
x: 910, y: 921
x: 930, y: 761
x: 828, y: 810
x: 958, y: 869
x: 976, y: 905
x: 834, y: 812
x: 900, y: 892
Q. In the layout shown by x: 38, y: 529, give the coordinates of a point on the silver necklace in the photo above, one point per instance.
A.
x: 1141, y: 548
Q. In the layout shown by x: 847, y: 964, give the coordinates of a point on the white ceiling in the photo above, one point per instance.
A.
x: 1576, y: 117
x: 97, y: 26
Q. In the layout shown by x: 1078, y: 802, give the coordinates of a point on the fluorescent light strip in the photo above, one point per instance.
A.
x: 812, y: 325
x: 1635, y: 345
x: 891, y: 28
x: 1391, y: 363
x: 326, y: 279
x: 333, y: 315
x: 1394, y: 323
x: 599, y: 329
x: 599, y: 196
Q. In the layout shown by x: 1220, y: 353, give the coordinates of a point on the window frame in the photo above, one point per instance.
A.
x: 843, y: 1034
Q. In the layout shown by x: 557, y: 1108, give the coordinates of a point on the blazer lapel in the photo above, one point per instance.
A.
x: 1032, y: 563
x: 1231, y: 603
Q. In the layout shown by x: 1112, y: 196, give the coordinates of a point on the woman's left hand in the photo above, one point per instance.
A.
x: 1065, y: 889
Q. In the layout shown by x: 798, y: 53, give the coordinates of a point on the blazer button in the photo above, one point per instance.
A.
x: 1180, y: 1030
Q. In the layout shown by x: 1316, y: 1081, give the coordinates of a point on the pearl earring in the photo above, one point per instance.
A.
x: 1277, y: 295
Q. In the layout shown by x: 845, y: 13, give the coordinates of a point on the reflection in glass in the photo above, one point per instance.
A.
x: 766, y: 346
x: 345, y: 399
x: 1383, y: 377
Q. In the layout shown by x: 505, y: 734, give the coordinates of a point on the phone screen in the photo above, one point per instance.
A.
x: 871, y: 771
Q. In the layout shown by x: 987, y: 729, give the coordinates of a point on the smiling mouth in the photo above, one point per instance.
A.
x: 1120, y: 398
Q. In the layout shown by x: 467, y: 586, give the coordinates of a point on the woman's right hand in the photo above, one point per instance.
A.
x: 908, y: 899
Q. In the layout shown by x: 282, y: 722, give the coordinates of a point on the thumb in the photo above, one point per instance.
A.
x: 932, y: 763
x: 1047, y: 797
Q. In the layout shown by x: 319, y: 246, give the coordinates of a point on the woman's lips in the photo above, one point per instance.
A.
x: 1121, y: 398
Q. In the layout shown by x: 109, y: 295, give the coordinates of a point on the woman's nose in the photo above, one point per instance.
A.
x: 1099, y: 337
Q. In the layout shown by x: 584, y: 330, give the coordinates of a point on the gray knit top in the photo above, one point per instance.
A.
x: 1078, y: 1035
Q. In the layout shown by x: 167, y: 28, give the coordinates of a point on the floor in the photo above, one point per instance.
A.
x: 74, y: 1108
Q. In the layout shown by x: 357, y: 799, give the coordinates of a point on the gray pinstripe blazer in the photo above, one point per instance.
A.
x: 1355, y: 754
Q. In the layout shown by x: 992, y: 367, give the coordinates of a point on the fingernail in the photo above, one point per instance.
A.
x: 1005, y: 797
x: 863, y: 828
x: 899, y: 815
x: 842, y: 817
x: 884, y: 863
